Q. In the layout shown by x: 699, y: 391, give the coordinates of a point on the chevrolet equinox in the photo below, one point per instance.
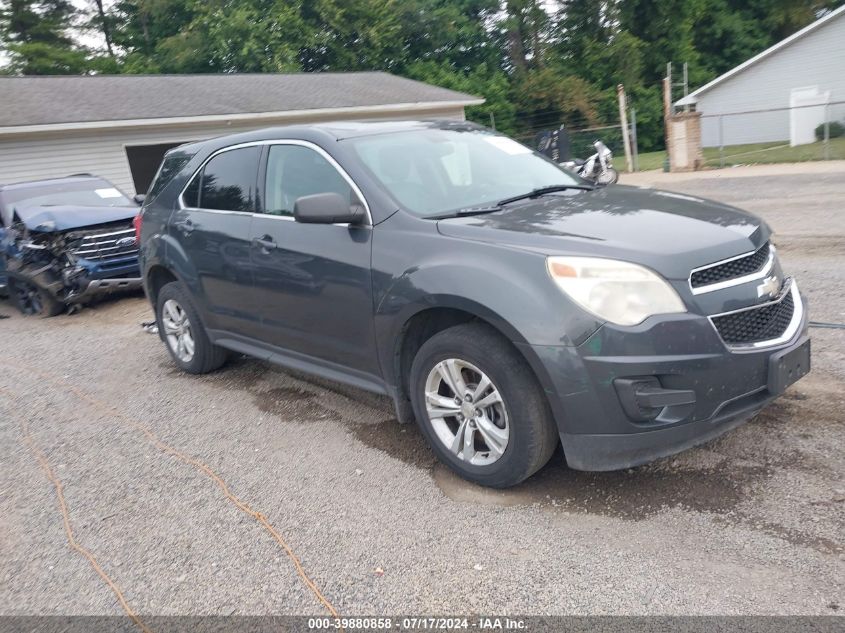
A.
x: 500, y: 301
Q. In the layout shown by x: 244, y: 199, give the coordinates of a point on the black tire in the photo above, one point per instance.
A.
x: 31, y: 300
x: 533, y: 434
x: 206, y: 356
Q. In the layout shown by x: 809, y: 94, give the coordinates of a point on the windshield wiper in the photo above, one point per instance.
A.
x: 491, y: 208
x: 459, y: 213
x: 541, y: 191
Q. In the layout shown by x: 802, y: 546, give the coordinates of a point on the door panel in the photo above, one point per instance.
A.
x: 314, y: 279
x: 214, y: 231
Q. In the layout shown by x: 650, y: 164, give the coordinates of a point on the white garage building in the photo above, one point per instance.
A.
x: 782, y: 94
x: 119, y: 126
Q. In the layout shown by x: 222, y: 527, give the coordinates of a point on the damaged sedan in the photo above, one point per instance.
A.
x: 64, y: 241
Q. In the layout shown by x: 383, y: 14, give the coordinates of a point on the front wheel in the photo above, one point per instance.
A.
x: 608, y: 177
x: 480, y: 406
x: 31, y: 300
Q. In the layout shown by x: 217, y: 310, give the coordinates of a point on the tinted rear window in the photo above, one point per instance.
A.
x: 229, y: 180
x: 170, y: 167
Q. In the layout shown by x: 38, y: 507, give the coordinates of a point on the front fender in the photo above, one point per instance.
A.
x: 508, y: 288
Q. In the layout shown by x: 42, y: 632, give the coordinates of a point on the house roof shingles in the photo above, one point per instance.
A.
x: 29, y: 101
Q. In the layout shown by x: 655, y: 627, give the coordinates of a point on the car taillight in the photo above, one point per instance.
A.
x: 137, y: 224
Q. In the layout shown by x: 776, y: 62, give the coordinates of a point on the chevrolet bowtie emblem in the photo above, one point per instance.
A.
x: 770, y: 286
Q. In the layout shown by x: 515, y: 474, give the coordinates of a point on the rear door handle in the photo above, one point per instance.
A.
x: 265, y: 243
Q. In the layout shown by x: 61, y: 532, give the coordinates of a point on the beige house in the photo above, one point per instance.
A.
x: 119, y: 126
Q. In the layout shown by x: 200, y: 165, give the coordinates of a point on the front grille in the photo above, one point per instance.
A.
x: 754, y: 325
x: 731, y: 270
x: 104, y: 245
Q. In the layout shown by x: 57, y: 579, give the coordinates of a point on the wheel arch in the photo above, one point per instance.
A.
x: 424, y: 322
x: 158, y: 275
x: 421, y: 324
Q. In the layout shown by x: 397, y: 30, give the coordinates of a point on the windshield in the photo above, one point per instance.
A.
x: 433, y: 171
x: 91, y: 193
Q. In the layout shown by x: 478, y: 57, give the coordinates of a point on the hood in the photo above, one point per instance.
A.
x: 668, y: 232
x: 64, y: 218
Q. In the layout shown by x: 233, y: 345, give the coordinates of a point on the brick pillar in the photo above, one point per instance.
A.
x: 683, y: 138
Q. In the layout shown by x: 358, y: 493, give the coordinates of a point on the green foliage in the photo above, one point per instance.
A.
x: 537, y: 64
x: 34, y: 36
x: 361, y: 35
x: 546, y: 98
x: 154, y: 35
x: 492, y: 83
x: 835, y: 129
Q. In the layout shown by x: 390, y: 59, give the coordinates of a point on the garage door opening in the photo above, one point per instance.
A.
x: 144, y: 161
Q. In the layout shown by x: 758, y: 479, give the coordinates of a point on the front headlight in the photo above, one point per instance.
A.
x: 616, y: 291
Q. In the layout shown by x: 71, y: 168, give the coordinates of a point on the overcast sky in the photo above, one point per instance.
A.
x: 86, y: 38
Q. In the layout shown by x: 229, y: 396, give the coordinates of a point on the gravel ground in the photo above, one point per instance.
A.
x: 750, y: 523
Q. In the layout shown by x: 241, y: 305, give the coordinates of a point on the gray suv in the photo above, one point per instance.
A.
x: 503, y: 303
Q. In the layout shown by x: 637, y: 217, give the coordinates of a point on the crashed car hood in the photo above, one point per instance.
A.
x: 65, y: 218
x: 668, y: 232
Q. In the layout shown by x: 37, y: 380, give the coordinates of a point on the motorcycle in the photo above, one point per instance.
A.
x: 597, y: 167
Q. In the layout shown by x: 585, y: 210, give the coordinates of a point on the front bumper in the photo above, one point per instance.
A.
x: 95, y: 279
x: 99, y: 287
x: 678, y: 355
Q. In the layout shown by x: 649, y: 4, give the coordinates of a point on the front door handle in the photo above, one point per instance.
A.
x: 265, y: 243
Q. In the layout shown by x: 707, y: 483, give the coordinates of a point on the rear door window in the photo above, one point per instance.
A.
x: 229, y: 180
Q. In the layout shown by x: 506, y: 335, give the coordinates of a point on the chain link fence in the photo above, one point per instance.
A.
x: 561, y: 142
x: 774, y: 135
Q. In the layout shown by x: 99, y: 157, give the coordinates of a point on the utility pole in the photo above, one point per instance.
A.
x: 667, y: 113
x: 623, y: 118
x: 634, y: 142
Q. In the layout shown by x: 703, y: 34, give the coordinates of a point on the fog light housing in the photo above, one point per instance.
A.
x: 644, y: 399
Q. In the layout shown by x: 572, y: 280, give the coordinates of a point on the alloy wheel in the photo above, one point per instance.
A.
x: 467, y: 412
x: 177, y: 330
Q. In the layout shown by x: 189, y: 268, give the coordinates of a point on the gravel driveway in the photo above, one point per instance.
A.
x: 187, y: 490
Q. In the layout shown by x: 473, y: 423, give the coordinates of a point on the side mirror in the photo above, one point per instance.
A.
x: 327, y: 208
x: 139, y: 198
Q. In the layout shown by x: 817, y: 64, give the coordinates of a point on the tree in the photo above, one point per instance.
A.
x: 492, y: 83
x: 450, y: 32
x: 153, y: 35
x: 667, y: 29
x: 248, y: 35
x: 37, y: 41
x: 525, y: 30
x: 359, y: 35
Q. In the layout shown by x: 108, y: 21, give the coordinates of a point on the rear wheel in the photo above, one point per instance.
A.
x: 180, y: 328
x: 32, y: 300
x: 480, y: 407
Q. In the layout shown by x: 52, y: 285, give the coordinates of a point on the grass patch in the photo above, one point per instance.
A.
x: 651, y: 160
x: 756, y: 154
x: 778, y: 152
